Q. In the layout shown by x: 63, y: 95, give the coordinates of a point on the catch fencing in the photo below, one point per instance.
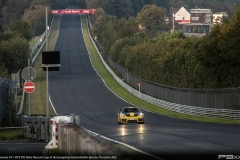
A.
x: 6, y: 97
x: 221, y: 103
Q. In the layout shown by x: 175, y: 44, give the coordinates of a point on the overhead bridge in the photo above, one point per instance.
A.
x: 73, y: 11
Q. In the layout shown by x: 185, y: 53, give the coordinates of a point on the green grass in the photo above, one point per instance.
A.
x: 120, y: 91
x: 11, y: 134
x: 31, y: 43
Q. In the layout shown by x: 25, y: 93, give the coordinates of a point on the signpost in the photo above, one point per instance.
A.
x: 28, y: 74
x: 50, y: 62
x: 29, y: 87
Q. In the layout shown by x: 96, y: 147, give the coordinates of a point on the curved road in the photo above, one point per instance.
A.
x: 76, y: 88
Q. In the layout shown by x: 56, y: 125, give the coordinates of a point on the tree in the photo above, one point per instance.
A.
x: 174, y: 35
x: 151, y: 16
x: 22, y: 28
x: 224, y: 49
x: 137, y: 6
x: 12, y: 11
x: 163, y: 3
x: 1, y: 30
x: 96, y: 4
x: 14, y: 53
x: 5, y: 36
x: 3, y: 71
x: 181, y: 4
x: 56, y: 4
x: 36, y: 17
x: 123, y: 8
x: 99, y: 19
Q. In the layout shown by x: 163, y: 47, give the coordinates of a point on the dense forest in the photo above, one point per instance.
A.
x: 170, y: 58
x: 154, y: 55
x: 33, y: 11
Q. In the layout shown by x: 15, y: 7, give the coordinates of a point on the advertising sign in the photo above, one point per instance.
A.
x: 73, y: 11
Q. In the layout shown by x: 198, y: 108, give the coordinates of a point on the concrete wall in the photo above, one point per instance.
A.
x: 76, y: 141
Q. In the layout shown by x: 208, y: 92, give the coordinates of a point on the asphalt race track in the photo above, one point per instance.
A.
x: 77, y: 89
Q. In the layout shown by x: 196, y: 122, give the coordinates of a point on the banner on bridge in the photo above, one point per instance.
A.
x: 73, y: 11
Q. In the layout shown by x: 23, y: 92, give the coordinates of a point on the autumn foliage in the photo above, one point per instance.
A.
x: 172, y: 59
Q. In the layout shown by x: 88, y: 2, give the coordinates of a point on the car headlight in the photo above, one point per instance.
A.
x: 122, y: 115
x: 141, y: 114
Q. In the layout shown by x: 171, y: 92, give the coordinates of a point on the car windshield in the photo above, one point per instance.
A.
x: 126, y: 110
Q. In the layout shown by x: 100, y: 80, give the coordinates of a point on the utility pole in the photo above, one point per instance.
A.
x: 46, y: 33
x: 47, y: 94
x: 29, y: 101
x: 173, y: 19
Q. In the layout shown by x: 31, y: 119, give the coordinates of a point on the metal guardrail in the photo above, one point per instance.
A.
x: 43, y: 35
x: 35, y: 46
x: 191, y: 110
x: 13, y: 127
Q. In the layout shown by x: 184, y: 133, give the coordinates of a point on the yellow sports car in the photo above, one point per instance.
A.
x: 130, y: 114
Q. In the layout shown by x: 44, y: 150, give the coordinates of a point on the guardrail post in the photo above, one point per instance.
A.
x: 46, y: 129
x: 23, y: 124
x: 38, y: 124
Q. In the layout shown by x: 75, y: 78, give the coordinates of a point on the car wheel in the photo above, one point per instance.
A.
x: 119, y: 122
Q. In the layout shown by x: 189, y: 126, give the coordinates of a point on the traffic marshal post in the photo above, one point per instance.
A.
x: 29, y: 87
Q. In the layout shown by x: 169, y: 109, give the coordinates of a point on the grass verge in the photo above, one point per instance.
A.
x: 31, y: 43
x: 11, y: 134
x: 121, y: 92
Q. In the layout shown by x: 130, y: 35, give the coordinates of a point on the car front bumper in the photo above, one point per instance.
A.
x: 126, y: 119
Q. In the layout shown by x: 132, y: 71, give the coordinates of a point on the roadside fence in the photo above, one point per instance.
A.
x: 6, y: 97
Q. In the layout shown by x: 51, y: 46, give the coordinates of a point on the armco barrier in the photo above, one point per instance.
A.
x: 191, y: 110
